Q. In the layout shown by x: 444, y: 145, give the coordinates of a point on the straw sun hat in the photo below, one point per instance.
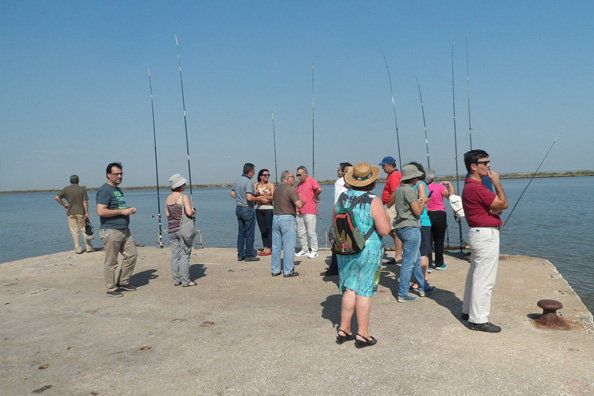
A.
x: 362, y: 174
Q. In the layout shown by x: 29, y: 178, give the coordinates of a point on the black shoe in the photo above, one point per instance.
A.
x: 329, y: 273
x: 127, y: 287
x: 252, y: 258
x: 114, y: 293
x: 240, y: 258
x: 277, y: 274
x: 348, y: 337
x: 486, y: 327
x: 362, y: 344
x: 291, y: 275
x: 465, y: 316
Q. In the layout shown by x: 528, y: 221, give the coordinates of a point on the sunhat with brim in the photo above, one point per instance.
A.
x: 362, y: 174
x: 176, y: 181
x: 409, y: 172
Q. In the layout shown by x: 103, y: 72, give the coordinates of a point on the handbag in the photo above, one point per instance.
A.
x: 186, y: 227
x: 88, y: 231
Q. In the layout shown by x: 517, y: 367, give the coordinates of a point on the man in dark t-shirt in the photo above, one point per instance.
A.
x: 286, y: 201
x: 482, y: 208
x: 114, y: 215
x: 77, y: 210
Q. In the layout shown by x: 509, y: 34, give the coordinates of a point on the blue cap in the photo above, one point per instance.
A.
x: 388, y: 160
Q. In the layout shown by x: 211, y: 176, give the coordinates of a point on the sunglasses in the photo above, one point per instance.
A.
x: 483, y: 162
x: 265, y: 174
x: 299, y: 174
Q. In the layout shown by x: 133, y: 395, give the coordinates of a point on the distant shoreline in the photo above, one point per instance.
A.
x: 523, y: 175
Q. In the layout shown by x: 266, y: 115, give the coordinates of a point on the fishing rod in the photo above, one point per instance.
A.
x: 394, y: 108
x: 160, y: 235
x: 456, y: 147
x: 424, y: 124
x: 532, y: 178
x: 181, y: 80
x: 313, y: 123
x: 468, y: 94
x: 274, y: 140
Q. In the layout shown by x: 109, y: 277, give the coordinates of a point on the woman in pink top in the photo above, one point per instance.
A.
x: 438, y: 216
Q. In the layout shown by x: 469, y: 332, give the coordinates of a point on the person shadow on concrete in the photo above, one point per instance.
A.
x: 197, y: 271
x: 331, y: 308
x: 142, y: 278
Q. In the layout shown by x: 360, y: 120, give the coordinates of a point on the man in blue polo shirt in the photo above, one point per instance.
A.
x: 243, y: 192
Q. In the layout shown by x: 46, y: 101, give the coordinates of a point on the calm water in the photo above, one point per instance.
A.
x: 549, y: 223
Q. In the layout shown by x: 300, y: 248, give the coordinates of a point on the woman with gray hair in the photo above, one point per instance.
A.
x: 438, y: 216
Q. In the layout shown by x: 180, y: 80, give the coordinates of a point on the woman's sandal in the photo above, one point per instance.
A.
x: 362, y: 344
x: 348, y: 337
x: 189, y: 284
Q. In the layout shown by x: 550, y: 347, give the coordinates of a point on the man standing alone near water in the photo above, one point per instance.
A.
x: 309, y: 190
x: 482, y: 208
x: 77, y: 209
x: 115, y: 234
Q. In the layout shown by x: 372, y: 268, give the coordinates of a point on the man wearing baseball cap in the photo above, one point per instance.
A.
x: 388, y: 164
x: 77, y: 210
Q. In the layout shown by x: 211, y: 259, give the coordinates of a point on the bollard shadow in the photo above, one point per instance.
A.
x: 143, y: 278
x: 197, y: 271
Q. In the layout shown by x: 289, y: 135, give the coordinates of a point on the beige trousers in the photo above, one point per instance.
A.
x: 77, y: 222
x: 114, y: 242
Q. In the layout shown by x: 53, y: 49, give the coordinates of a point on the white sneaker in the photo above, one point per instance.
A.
x: 302, y: 253
x: 313, y: 255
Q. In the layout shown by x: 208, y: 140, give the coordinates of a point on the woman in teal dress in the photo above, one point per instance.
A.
x: 358, y: 271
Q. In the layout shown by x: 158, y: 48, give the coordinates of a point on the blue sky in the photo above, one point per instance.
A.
x: 74, y: 90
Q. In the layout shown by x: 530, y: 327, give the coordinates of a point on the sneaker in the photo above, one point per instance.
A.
x: 313, y: 255
x: 252, y: 258
x: 428, y: 290
x: 114, y: 293
x: 302, y: 253
x: 429, y: 270
x: 291, y: 275
x: 441, y: 267
x: 405, y: 298
x: 127, y: 287
x: 465, y: 316
x: 486, y: 327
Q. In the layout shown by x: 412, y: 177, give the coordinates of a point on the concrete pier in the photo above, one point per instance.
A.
x: 243, y: 332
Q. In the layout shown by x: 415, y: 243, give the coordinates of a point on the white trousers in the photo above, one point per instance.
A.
x: 484, y: 245
x: 306, y: 225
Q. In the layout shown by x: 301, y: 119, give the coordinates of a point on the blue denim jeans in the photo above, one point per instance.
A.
x: 411, y: 259
x: 284, y: 230
x: 246, y: 219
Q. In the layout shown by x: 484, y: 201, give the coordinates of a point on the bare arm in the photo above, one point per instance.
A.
x: 317, y: 193
x: 449, y: 189
x: 299, y: 204
x: 500, y: 202
x: 104, y: 211
x: 59, y: 200
x: 418, y: 205
x: 190, y: 211
x: 253, y: 198
x: 380, y: 218
x: 233, y: 194
x: 86, y: 206
x: 391, y: 199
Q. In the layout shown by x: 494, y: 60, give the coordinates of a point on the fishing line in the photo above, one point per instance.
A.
x: 456, y: 148
x: 394, y: 108
x: 181, y: 80
x: 424, y: 124
x: 313, y: 124
x: 274, y: 140
x: 532, y: 178
x: 468, y: 95
x: 160, y: 235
